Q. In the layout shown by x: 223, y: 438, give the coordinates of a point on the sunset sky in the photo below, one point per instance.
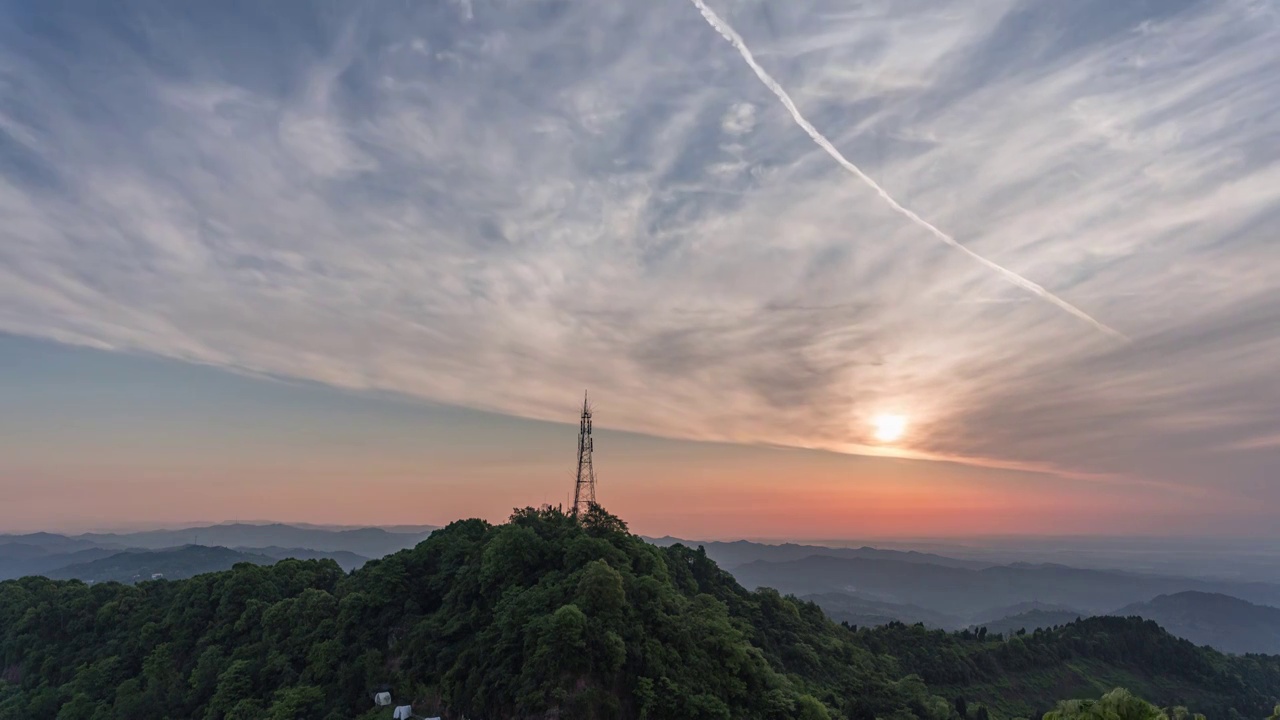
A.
x: 356, y: 263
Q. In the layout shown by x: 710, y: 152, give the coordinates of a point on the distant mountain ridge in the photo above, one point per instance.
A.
x: 967, y: 592
x: 1032, y: 620
x: 46, y: 562
x: 46, y: 553
x: 1000, y: 613
x: 130, y: 566
x: 1229, y: 616
x: 731, y: 554
x: 348, y: 561
x: 863, y: 612
x: 133, y: 566
x: 1227, y: 623
x: 1223, y: 622
x: 368, y: 542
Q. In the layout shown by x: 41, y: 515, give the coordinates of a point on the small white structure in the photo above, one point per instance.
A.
x: 403, y: 712
x: 382, y: 698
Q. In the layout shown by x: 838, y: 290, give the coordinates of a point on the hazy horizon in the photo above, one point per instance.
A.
x: 977, y: 540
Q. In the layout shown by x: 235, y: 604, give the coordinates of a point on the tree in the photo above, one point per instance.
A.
x: 810, y: 708
x: 297, y: 703
x: 600, y: 591
x: 962, y: 707
x: 1119, y: 704
x: 235, y: 684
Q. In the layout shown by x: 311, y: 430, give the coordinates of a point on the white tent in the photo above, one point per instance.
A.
x: 382, y: 698
x: 403, y: 712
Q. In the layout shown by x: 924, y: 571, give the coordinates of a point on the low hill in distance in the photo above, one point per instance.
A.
x: 1031, y: 620
x: 1023, y: 597
x: 1000, y: 613
x: 133, y: 566
x: 366, y: 542
x: 48, y: 553
x: 1227, y: 623
x: 862, y: 612
x: 348, y: 561
x: 45, y: 562
x: 1223, y: 622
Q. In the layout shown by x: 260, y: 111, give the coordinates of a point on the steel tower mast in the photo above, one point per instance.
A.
x: 584, y: 490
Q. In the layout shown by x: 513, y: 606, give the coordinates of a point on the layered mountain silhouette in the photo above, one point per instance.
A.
x: 133, y: 566
x: 1224, y: 622
x: 969, y: 593
x: 72, y: 556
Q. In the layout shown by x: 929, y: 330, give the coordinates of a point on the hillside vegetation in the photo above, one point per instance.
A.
x: 544, y: 616
x: 1024, y: 674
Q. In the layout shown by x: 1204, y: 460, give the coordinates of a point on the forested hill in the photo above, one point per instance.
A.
x: 545, y: 616
x: 1024, y: 674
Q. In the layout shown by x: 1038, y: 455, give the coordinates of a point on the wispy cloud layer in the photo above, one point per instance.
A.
x: 497, y: 204
x: 740, y: 45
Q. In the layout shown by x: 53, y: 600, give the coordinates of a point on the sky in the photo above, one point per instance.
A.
x: 356, y: 262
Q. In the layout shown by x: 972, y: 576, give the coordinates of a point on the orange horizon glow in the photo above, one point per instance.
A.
x: 749, y: 493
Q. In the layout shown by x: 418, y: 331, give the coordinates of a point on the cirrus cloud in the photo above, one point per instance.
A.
x: 496, y: 204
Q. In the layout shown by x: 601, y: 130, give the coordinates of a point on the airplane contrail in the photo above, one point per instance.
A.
x: 736, y: 40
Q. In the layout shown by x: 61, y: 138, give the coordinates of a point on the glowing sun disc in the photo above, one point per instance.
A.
x: 889, y: 427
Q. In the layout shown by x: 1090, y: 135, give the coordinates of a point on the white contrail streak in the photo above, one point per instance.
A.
x: 736, y: 40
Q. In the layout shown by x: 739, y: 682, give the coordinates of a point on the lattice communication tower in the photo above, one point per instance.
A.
x: 584, y: 490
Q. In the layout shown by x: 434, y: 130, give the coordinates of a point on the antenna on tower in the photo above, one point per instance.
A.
x: 584, y: 489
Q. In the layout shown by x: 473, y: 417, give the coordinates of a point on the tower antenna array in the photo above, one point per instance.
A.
x: 584, y: 490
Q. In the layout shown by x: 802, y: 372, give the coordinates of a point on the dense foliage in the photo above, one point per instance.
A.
x: 545, y: 616
x: 1118, y: 704
x: 1023, y: 674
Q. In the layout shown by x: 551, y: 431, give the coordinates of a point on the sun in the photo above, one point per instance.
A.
x: 889, y: 427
